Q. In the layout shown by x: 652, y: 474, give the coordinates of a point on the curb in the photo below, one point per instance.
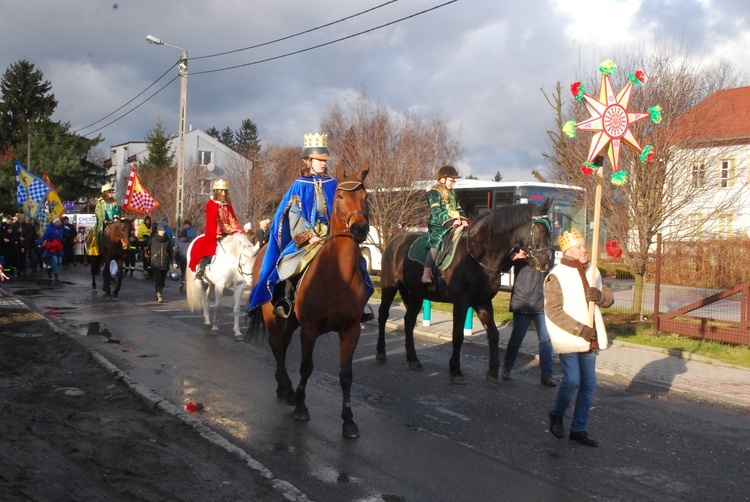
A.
x: 157, y: 402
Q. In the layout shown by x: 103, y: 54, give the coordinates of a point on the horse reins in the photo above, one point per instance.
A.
x: 504, y: 261
x: 239, y: 261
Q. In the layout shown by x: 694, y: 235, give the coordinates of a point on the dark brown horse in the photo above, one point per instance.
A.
x: 471, y: 280
x: 330, y: 297
x: 112, y: 247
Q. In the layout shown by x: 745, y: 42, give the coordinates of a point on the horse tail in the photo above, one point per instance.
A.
x: 256, y: 326
x: 194, y: 289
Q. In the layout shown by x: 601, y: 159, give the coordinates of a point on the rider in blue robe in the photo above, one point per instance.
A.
x: 299, y: 229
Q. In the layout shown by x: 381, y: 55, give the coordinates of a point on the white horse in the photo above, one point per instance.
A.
x: 231, y: 267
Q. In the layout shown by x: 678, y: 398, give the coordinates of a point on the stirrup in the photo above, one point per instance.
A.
x: 367, y: 316
x: 199, y: 274
x: 283, y: 308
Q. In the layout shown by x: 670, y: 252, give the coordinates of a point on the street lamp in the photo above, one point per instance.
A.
x: 182, y: 64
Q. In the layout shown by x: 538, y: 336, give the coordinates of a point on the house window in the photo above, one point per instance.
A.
x: 206, y: 186
x: 699, y: 174
x: 726, y: 174
x: 695, y: 223
x: 204, y: 157
x: 725, y: 224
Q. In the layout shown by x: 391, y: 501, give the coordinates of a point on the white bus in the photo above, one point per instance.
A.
x: 477, y: 197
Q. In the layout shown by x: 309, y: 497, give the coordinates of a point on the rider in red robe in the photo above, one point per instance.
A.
x: 220, y: 222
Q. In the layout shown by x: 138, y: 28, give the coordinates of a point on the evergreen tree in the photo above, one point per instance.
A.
x: 159, y: 154
x: 498, y: 176
x: 227, y: 137
x: 247, y: 142
x: 213, y: 132
x: 26, y: 102
x: 26, y: 129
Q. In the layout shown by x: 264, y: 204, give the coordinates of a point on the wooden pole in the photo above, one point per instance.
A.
x: 594, y: 257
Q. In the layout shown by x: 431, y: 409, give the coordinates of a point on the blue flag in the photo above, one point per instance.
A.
x: 32, y: 191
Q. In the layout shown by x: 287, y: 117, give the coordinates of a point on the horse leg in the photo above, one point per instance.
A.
x: 386, y: 299
x: 486, y: 316
x: 307, y: 340
x: 279, y: 336
x: 459, y: 319
x: 107, y: 279
x: 413, y: 305
x: 206, y: 303
x: 347, y: 343
x: 94, y: 262
x: 118, y: 284
x: 238, y: 310
x: 218, y: 296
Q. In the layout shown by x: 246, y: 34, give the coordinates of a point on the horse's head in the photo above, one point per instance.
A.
x: 538, y: 245
x: 350, y: 210
x: 120, y: 229
x: 246, y: 259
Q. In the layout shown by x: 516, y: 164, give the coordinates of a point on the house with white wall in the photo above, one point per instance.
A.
x: 201, y: 152
x: 713, y: 153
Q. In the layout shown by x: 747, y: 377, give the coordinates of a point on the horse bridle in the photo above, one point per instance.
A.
x: 529, y: 252
x: 347, y: 220
x: 239, y: 260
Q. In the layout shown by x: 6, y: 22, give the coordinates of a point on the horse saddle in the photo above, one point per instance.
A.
x: 446, y: 252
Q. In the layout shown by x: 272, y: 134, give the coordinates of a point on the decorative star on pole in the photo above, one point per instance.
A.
x: 610, y: 121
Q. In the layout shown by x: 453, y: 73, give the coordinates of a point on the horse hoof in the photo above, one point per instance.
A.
x: 415, y: 365
x: 350, y: 430
x: 93, y: 292
x: 114, y: 295
x: 215, y: 331
x: 458, y: 380
x: 110, y: 299
x: 381, y: 358
x: 239, y: 338
x: 302, y: 416
x: 491, y: 378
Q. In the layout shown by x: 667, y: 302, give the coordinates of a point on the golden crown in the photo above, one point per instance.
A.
x: 316, y: 140
x: 569, y: 239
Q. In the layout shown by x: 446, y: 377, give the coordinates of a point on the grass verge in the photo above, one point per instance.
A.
x: 622, y: 328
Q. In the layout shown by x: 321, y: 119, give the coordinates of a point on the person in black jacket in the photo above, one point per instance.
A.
x: 527, y: 304
x: 161, y: 259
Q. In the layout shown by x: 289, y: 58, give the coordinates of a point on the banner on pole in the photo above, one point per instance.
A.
x: 137, y: 198
x: 31, y: 191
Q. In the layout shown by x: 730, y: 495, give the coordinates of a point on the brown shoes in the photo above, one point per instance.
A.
x: 427, y: 276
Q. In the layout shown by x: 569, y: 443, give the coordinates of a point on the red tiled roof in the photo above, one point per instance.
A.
x: 721, y: 118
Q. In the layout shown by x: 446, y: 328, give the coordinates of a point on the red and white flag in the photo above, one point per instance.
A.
x: 137, y: 198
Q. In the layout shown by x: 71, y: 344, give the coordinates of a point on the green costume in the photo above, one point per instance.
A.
x: 442, y: 214
x: 105, y: 211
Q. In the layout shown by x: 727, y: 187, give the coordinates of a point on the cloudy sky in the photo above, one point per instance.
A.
x: 478, y: 65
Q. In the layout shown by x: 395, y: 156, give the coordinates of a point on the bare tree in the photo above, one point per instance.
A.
x: 402, y: 148
x: 656, y: 195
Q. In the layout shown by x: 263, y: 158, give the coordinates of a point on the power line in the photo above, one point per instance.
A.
x: 135, y: 108
x: 296, y: 34
x: 259, y: 61
x: 325, y: 43
x: 127, y: 103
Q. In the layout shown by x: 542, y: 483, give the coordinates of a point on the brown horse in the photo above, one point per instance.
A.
x: 330, y: 297
x: 471, y: 280
x: 112, y: 247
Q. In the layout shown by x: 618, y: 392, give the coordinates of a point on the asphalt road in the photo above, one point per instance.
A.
x: 422, y: 438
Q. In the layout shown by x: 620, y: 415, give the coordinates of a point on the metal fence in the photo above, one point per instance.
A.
x: 721, y: 315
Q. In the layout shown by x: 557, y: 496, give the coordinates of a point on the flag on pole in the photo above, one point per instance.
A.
x: 137, y: 198
x: 54, y: 204
x: 31, y: 191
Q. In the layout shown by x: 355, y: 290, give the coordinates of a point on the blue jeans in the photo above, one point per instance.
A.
x: 53, y: 261
x: 579, y: 375
x: 520, y: 326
